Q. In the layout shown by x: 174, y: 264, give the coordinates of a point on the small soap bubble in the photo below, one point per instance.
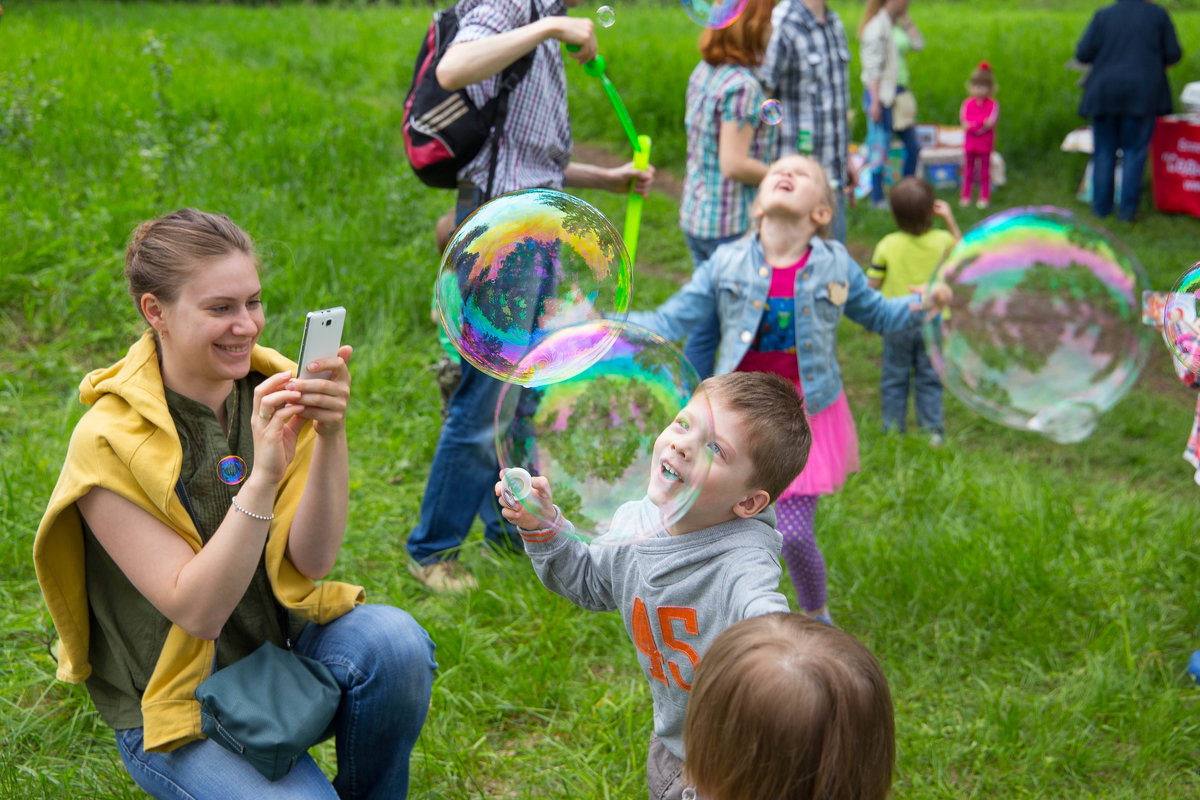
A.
x: 1181, y: 323
x: 771, y: 112
x: 526, y: 264
x: 594, y: 435
x: 606, y: 16
x: 714, y: 14
x: 1044, y: 330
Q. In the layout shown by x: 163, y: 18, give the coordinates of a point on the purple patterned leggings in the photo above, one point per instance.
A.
x: 804, y: 562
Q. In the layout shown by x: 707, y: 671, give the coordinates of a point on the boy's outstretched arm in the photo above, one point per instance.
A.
x: 564, y: 565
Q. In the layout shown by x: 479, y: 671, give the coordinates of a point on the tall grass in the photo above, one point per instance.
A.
x: 1030, y: 602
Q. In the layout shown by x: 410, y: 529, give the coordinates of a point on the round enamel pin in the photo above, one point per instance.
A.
x: 232, y: 470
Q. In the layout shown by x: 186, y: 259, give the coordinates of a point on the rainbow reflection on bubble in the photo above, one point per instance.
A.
x: 720, y: 14
x: 1044, y: 328
x: 523, y: 265
x: 771, y: 112
x: 592, y: 435
x: 1181, y: 323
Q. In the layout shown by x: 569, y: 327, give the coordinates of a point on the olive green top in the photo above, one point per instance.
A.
x: 127, y: 631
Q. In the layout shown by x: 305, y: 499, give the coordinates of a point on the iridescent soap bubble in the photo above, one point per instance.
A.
x: 606, y: 16
x: 1181, y: 323
x: 1044, y: 328
x: 710, y: 14
x: 771, y: 112
x: 593, y: 435
x: 523, y: 265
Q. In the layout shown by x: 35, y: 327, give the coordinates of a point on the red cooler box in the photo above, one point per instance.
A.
x: 1175, y: 155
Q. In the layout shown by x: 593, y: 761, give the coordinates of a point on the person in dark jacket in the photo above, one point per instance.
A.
x: 1129, y: 45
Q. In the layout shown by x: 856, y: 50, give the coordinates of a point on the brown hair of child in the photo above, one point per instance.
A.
x: 775, y: 423
x: 983, y: 76
x: 912, y: 205
x: 789, y: 708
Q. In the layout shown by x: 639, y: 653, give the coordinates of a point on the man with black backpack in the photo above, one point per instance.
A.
x: 530, y: 147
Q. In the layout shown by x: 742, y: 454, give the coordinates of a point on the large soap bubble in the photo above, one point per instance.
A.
x: 523, y: 265
x: 1044, y: 328
x: 1180, y: 323
x: 714, y: 13
x: 593, y: 435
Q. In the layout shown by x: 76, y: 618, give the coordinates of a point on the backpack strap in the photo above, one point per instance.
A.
x: 512, y: 75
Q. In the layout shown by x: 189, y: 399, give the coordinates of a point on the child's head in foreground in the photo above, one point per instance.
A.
x: 759, y: 444
x: 912, y: 205
x: 789, y: 708
x: 797, y: 187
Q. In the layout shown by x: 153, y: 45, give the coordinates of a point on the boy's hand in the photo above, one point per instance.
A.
x: 539, y: 498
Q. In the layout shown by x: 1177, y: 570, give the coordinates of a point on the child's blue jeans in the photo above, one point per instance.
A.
x: 905, y: 359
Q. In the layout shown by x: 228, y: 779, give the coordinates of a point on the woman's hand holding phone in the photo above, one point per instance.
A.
x: 324, y: 400
x: 323, y: 379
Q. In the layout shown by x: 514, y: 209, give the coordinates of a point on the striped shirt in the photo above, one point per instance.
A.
x: 535, y: 146
x: 807, y: 69
x: 712, y: 206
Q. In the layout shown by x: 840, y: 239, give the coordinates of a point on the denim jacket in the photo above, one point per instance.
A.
x: 734, y: 284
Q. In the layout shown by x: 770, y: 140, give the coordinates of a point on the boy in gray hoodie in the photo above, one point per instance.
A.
x: 717, y: 565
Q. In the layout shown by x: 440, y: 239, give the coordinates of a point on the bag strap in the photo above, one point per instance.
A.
x: 512, y: 75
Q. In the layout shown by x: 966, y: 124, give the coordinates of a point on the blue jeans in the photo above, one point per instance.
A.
x: 839, y: 216
x: 904, y: 355
x: 1131, y: 135
x: 879, y: 131
x: 465, y: 468
x: 701, y: 346
x: 912, y: 145
x: 383, y: 661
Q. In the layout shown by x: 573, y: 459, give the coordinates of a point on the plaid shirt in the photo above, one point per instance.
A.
x: 807, y: 69
x: 535, y: 146
x: 712, y: 205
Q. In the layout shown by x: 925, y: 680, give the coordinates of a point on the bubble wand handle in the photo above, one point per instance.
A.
x: 596, y: 68
x: 640, y: 144
x: 633, y: 209
x: 517, y: 485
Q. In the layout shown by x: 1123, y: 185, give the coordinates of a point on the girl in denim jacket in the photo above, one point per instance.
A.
x: 779, y: 294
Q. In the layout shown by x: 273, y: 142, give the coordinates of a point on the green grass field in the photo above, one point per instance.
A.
x: 1029, y: 601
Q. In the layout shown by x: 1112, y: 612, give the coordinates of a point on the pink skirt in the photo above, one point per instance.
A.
x: 834, y: 452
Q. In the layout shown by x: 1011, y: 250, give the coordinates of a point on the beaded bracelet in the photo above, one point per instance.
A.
x: 251, y: 513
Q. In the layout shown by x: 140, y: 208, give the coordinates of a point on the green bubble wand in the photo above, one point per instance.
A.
x: 641, y: 150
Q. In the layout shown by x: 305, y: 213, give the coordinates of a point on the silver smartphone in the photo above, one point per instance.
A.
x: 322, y: 338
